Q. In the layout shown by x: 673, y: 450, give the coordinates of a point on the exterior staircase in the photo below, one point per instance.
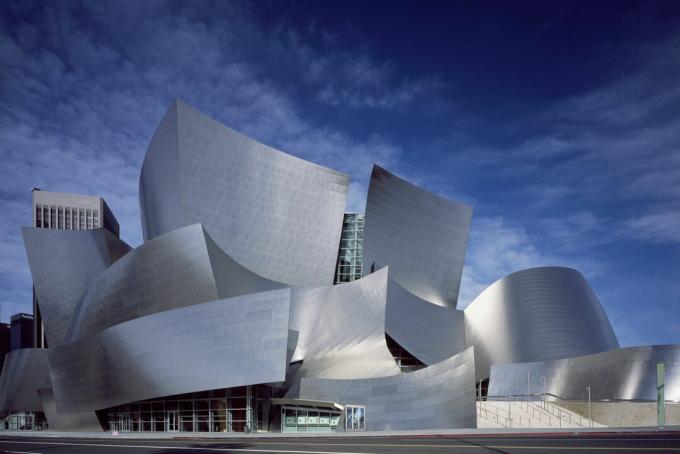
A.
x: 511, y: 412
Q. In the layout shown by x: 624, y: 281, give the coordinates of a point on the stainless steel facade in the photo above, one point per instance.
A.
x: 78, y: 421
x: 25, y: 372
x: 177, y: 269
x: 277, y: 215
x: 57, y: 210
x: 429, y: 332
x: 219, y: 344
x: 622, y: 374
x: 441, y: 396
x: 232, y: 291
x: 422, y: 237
x: 63, y: 264
x: 535, y: 315
x: 342, y: 329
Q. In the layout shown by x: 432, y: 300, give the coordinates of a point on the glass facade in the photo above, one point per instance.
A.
x: 404, y: 359
x: 24, y: 421
x: 351, y: 253
x: 240, y: 409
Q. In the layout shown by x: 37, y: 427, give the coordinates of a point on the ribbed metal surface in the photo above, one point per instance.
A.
x: 178, y: 269
x: 627, y: 373
x: 220, y: 344
x: 24, y: 372
x: 441, y: 396
x: 422, y: 237
x: 275, y: 214
x: 63, y: 265
x: 534, y: 315
x: 429, y: 332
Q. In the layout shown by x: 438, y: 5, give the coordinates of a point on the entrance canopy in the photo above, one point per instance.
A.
x: 306, y: 403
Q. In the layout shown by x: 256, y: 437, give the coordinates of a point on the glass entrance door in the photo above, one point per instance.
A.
x: 173, y: 421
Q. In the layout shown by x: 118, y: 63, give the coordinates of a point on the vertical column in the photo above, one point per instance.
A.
x: 660, y: 395
x: 249, y: 408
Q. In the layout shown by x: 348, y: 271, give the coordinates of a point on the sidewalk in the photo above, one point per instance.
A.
x: 396, y: 433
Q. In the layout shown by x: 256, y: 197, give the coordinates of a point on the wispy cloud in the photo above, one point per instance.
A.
x: 85, y: 86
x: 375, y: 96
x: 498, y: 248
x: 662, y: 226
x: 352, y: 78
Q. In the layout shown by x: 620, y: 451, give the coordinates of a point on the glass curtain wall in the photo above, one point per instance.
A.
x: 351, y: 253
x: 24, y: 421
x: 241, y: 409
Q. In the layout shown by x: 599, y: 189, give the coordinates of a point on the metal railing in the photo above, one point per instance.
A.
x: 537, y: 407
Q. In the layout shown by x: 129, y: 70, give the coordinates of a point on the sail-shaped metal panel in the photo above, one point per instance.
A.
x: 63, y: 264
x: 24, y: 372
x: 277, y: 215
x: 220, y: 344
x: 441, y: 396
x: 421, y: 236
x: 342, y: 329
x: 428, y: 331
x: 177, y: 269
x: 621, y: 374
x: 535, y: 315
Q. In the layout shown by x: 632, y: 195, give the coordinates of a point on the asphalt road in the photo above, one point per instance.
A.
x: 668, y: 442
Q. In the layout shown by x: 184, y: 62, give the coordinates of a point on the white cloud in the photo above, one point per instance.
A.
x: 660, y: 227
x: 498, y: 248
x: 83, y: 92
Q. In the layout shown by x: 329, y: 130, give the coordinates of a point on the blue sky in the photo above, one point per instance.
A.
x: 558, y: 121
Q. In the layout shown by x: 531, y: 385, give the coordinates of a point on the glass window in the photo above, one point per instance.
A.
x: 355, y: 417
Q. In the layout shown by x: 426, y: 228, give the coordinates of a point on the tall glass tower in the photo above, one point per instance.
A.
x: 351, y: 253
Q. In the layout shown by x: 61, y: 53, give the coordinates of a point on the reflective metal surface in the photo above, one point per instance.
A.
x: 626, y: 373
x: 534, y: 315
x: 220, y: 344
x: 177, y: 269
x: 422, y: 237
x: 275, y: 214
x: 63, y: 264
x: 429, y: 332
x: 66, y: 421
x: 437, y: 397
x: 232, y: 288
x: 342, y: 329
x: 25, y: 371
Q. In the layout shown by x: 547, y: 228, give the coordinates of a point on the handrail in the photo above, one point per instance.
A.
x: 543, y: 413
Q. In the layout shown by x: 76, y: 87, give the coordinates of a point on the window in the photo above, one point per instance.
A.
x: 355, y: 417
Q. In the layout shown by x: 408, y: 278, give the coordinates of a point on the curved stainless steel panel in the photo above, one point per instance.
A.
x: 429, y: 332
x: 63, y: 264
x: 220, y: 344
x: 84, y: 421
x: 177, y: 269
x: 342, y: 329
x: 441, y: 396
x: 422, y: 237
x: 25, y: 371
x: 626, y: 373
x: 275, y: 214
x: 534, y: 315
